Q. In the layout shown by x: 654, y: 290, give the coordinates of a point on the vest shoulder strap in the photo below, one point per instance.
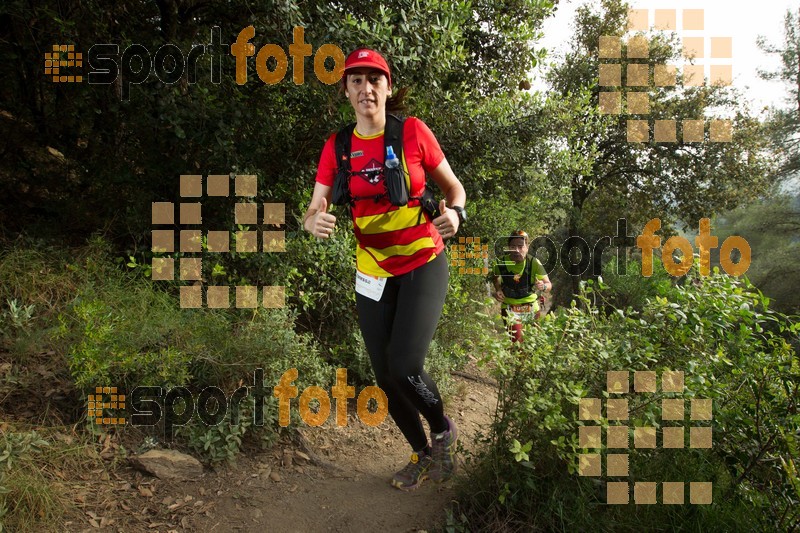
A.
x: 343, y: 137
x: 529, y: 269
x: 392, y: 136
x: 341, y: 181
x: 504, y: 272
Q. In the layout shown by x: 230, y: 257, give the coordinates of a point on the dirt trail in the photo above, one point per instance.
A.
x: 344, y: 487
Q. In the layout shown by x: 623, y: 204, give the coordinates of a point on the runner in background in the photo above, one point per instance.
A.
x: 516, y: 278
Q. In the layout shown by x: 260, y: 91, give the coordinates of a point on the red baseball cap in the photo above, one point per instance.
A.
x: 364, y: 57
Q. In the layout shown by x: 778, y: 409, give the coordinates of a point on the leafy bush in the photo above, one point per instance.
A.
x: 16, y: 317
x: 124, y: 333
x: 122, y: 330
x: 267, y: 341
x: 320, y: 280
x: 223, y: 442
x: 37, y: 281
x: 732, y: 349
x: 118, y: 328
x: 464, y: 329
x: 628, y: 288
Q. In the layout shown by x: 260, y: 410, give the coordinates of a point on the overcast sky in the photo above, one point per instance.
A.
x: 742, y: 20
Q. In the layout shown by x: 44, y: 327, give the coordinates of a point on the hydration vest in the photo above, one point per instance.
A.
x: 394, y: 179
x: 517, y: 285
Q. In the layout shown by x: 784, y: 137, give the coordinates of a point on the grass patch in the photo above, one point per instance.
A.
x: 32, y: 498
x: 30, y: 501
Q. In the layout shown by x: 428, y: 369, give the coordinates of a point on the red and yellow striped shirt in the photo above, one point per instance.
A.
x: 391, y: 240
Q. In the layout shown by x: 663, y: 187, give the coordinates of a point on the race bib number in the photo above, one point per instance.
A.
x: 370, y: 286
x: 521, y: 308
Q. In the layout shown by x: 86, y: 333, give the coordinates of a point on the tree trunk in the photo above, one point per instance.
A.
x: 579, y: 194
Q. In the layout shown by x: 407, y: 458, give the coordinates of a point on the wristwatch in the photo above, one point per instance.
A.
x: 462, y: 213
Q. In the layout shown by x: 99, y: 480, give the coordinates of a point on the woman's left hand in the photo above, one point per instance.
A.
x: 447, y: 223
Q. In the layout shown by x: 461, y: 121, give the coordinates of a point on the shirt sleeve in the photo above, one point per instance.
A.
x: 428, y: 146
x: 538, y: 269
x: 326, y: 170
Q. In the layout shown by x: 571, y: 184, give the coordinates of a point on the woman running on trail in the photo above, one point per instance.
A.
x: 402, y: 272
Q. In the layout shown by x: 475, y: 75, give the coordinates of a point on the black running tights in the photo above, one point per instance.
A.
x: 397, y: 331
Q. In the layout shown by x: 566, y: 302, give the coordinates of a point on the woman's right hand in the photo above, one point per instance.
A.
x: 322, y: 223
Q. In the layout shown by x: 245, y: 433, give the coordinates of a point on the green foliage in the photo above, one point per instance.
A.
x: 127, y: 334
x: 456, y: 328
x: 732, y: 349
x: 43, y: 278
x: 218, y: 443
x: 772, y: 229
x: 199, y: 349
x: 631, y: 289
x: 37, y: 281
x: 223, y: 442
x: 16, y: 317
x: 447, y: 51
x: 33, y: 465
x: 495, y: 146
x: 465, y: 331
x: 411, y: 35
x: 17, y: 446
x: 319, y: 278
x: 122, y: 330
